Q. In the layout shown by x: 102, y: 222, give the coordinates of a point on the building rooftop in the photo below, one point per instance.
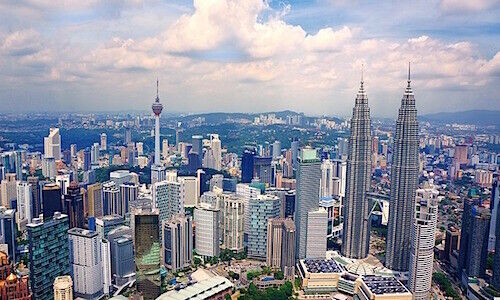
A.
x: 322, y: 266
x: 384, y: 285
x: 200, y: 290
x: 82, y: 232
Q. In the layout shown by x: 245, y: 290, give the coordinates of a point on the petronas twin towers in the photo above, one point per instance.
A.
x: 404, y: 181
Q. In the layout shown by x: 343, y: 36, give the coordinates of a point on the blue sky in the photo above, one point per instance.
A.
x: 247, y: 55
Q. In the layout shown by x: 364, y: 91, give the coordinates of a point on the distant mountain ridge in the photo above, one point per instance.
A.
x: 476, y: 117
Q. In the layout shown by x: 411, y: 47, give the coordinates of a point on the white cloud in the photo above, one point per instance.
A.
x: 467, y: 5
x: 277, y: 64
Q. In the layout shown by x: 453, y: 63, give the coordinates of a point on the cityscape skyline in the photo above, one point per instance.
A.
x: 281, y: 58
x: 290, y: 190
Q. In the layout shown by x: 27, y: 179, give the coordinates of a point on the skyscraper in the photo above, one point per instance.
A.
x: 157, y: 170
x: 45, y: 263
x: 145, y: 225
x: 52, y: 144
x: 122, y: 255
x: 167, y: 199
x: 422, y: 243
x: 177, y: 242
x: 307, y: 195
x: 207, y: 234
x: 262, y: 208
x: 496, y: 260
x: 8, y: 230
x: 24, y: 202
x: 356, y: 233
x: 281, y: 245
x: 74, y: 205
x: 35, y: 189
x: 233, y: 222
x: 295, y: 152
x: 51, y: 200
x: 104, y: 141
x: 494, y: 205
x: 475, y: 265
x: 94, y: 200
x: 86, y: 263
x: 317, y: 227
x: 404, y: 181
x: 247, y: 164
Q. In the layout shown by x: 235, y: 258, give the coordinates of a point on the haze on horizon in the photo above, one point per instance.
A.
x: 248, y: 56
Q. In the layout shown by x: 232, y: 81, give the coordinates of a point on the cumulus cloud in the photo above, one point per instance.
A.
x: 273, y: 64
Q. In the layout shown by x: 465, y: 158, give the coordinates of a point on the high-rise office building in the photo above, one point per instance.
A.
x: 52, y: 144
x: 74, y: 205
x: 48, y: 252
x: 107, y: 223
x: 247, y: 192
x: 157, y: 169
x: 51, y: 200
x: 262, y: 208
x: 295, y: 152
x: 166, y: 196
x: 356, y: 232
x: 36, y: 205
x: 87, y: 159
x: 494, y: 206
x: 207, y: 233
x: 247, y: 166
x: 121, y: 245
x: 496, y: 259
x: 18, y: 161
x: 307, y: 195
x: 281, y: 245
x: 233, y: 222
x: 106, y: 267
x: 404, y: 181
x: 177, y: 242
x: 317, y: 223
x: 213, y: 156
x: 478, y: 244
x: 465, y: 234
x: 104, y: 141
x: 146, y: 227
x: 49, y: 167
x: 452, y: 241
x: 8, y: 230
x: 111, y: 199
x: 129, y: 191
x: 276, y: 149
x: 24, y: 204
x: 94, y: 200
x: 422, y: 243
x: 63, y: 288
x: 189, y: 190
x: 8, y: 190
x: 86, y: 263
x: 262, y: 169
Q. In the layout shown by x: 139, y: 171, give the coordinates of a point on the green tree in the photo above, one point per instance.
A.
x: 279, y: 275
x: 227, y: 297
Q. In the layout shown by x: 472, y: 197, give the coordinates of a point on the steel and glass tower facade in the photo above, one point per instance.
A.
x: 356, y: 235
x: 404, y: 181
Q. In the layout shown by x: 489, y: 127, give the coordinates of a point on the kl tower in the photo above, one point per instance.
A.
x: 157, y: 170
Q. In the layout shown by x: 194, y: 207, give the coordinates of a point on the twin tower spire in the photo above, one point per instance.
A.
x: 356, y: 227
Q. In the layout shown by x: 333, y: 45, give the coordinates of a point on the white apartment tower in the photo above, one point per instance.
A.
x: 86, y: 263
x: 207, y: 234
x: 422, y: 243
